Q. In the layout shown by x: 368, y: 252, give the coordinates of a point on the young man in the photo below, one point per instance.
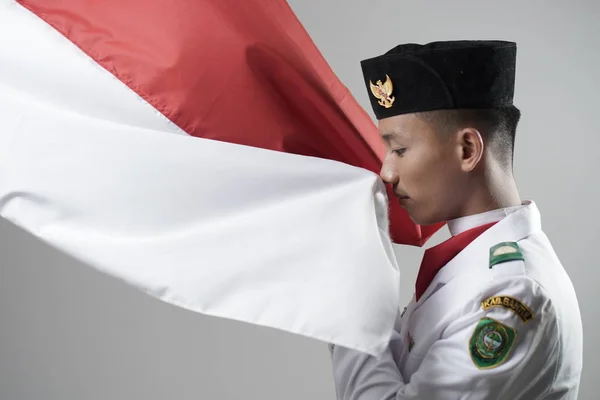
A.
x: 494, y: 315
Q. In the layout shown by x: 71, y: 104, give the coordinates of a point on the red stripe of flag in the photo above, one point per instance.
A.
x: 243, y: 72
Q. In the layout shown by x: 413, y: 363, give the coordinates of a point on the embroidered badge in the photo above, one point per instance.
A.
x: 510, y: 303
x: 503, y: 252
x: 383, y: 92
x: 491, y: 343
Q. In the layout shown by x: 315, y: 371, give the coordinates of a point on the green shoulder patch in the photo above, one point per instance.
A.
x: 491, y: 343
x: 503, y: 252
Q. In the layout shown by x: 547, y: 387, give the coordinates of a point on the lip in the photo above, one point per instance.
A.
x: 404, y: 201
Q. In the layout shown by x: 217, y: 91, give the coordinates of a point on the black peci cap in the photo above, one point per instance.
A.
x: 441, y: 75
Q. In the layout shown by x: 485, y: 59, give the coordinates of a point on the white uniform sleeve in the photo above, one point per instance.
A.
x: 361, y: 376
x: 449, y: 370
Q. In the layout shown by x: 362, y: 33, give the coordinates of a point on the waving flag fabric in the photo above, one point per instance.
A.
x: 204, y: 152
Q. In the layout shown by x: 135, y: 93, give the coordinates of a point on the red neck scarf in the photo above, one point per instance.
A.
x: 438, y: 256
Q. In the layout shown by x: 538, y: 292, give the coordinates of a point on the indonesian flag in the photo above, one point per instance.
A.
x: 204, y: 152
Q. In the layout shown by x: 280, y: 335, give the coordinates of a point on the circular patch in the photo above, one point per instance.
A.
x: 491, y: 342
x: 491, y: 339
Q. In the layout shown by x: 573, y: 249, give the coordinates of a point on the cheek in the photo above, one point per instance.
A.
x: 429, y: 178
x: 432, y: 196
x: 430, y: 181
x: 421, y: 172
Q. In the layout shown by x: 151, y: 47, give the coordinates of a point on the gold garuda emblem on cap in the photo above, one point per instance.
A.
x: 383, y: 92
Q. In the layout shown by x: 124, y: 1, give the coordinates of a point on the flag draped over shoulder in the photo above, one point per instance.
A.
x: 204, y: 152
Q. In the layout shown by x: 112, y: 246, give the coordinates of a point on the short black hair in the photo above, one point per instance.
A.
x: 498, y: 126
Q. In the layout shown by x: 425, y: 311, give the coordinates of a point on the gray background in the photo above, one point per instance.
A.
x: 68, y: 332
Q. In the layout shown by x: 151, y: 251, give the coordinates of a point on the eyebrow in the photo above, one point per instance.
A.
x: 390, y: 135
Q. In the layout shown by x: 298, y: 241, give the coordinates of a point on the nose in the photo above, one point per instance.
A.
x: 388, y: 172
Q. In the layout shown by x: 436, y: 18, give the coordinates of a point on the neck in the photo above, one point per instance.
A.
x: 496, y: 189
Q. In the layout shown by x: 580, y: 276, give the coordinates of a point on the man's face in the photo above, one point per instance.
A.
x: 424, y: 168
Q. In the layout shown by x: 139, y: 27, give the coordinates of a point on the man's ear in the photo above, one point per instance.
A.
x: 470, y: 148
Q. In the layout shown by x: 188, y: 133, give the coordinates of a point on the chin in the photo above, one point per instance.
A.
x: 422, y: 221
x: 423, y: 218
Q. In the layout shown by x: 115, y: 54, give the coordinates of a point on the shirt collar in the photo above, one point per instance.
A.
x: 460, y: 225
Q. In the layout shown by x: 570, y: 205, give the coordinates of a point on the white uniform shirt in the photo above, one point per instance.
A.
x: 508, y: 331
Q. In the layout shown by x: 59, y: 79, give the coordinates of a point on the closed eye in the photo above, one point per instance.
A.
x: 399, y: 152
